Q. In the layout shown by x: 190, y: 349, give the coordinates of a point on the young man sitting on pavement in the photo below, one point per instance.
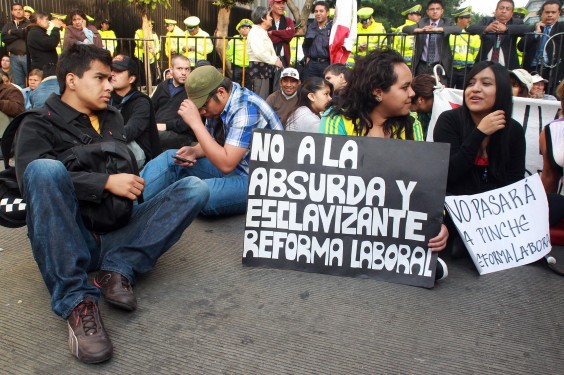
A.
x: 221, y: 158
x: 64, y: 247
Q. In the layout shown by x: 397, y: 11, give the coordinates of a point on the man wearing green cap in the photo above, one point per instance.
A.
x: 237, y: 52
x: 431, y: 43
x: 464, y: 47
x: 405, y: 44
x: 221, y: 157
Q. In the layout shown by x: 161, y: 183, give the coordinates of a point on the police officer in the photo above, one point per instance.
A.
x: 367, y: 26
x: 62, y: 18
x: 464, y: 47
x: 199, y: 43
x: 174, y: 39
x: 237, y: 52
x: 153, y: 54
x: 109, y: 39
x: 405, y: 44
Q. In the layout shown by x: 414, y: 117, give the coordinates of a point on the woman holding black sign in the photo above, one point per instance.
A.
x: 487, y: 147
x: 376, y: 103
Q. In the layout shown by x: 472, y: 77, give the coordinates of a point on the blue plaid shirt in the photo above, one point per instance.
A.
x: 244, y: 112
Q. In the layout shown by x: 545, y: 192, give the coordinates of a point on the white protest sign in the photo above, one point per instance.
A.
x: 532, y: 114
x: 503, y: 228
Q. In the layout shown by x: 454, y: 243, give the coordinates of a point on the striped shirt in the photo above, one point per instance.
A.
x: 244, y: 112
x: 341, y: 125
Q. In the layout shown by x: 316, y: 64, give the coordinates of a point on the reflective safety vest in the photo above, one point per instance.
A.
x: 107, y: 41
x: 174, y: 41
x: 154, y: 47
x: 465, y: 48
x: 200, y: 47
x: 296, y: 50
x: 370, y: 41
x: 61, y: 34
x: 237, y: 51
x: 405, y: 44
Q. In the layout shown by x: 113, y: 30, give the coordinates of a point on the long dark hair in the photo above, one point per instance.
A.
x: 373, y: 71
x: 309, y: 86
x: 498, y: 146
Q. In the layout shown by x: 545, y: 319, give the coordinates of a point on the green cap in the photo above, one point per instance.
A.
x: 521, y: 10
x: 365, y: 13
x: 62, y: 17
x: 463, y: 12
x: 90, y: 19
x: 201, y: 82
x: 416, y: 9
x: 244, y: 22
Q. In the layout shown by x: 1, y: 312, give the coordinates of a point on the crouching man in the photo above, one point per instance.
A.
x: 221, y: 157
x: 63, y: 243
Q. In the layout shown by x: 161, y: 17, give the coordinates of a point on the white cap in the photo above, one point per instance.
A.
x: 290, y: 72
x: 538, y: 78
x: 523, y: 76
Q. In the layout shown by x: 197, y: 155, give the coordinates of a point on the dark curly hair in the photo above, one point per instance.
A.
x: 373, y: 71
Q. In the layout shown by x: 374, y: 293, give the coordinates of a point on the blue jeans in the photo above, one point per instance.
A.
x: 65, y: 250
x: 18, y: 66
x: 228, y: 193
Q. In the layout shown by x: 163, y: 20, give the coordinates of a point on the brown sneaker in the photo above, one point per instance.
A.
x: 88, y: 339
x: 116, y: 289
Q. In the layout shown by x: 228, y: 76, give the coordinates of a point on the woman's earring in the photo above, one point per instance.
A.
x: 378, y: 98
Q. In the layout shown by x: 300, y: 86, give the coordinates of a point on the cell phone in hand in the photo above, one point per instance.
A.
x: 180, y: 158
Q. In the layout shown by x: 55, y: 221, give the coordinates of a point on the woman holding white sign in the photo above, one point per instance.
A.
x: 487, y: 147
x: 376, y: 103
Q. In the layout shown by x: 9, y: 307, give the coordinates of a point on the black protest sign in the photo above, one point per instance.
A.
x: 346, y: 206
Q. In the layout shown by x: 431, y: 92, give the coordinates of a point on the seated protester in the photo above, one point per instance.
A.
x: 313, y: 98
x: 11, y: 104
x: 5, y: 77
x: 56, y: 198
x: 422, y: 103
x: 552, y: 149
x: 521, y: 83
x: 487, y: 146
x: 376, y: 103
x: 169, y: 94
x: 283, y: 101
x: 137, y: 110
x: 33, y: 79
x: 539, y: 84
x: 46, y: 87
x: 338, y: 75
x: 221, y: 157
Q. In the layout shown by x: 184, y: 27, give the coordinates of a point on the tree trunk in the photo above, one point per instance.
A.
x: 220, y: 43
x: 303, y: 15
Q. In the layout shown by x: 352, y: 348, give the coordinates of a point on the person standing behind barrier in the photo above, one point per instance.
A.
x: 432, y: 42
x: 197, y: 43
x: 316, y: 42
x: 548, y: 64
x: 365, y: 42
x: 55, y: 17
x: 422, y: 102
x: 464, y: 47
x: 281, y: 33
x: 109, y: 39
x: 14, y: 39
x: 153, y: 53
x: 42, y: 47
x: 174, y: 39
x: 262, y: 56
x: 80, y: 32
x: 405, y: 44
x: 499, y: 35
x: 237, y: 52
